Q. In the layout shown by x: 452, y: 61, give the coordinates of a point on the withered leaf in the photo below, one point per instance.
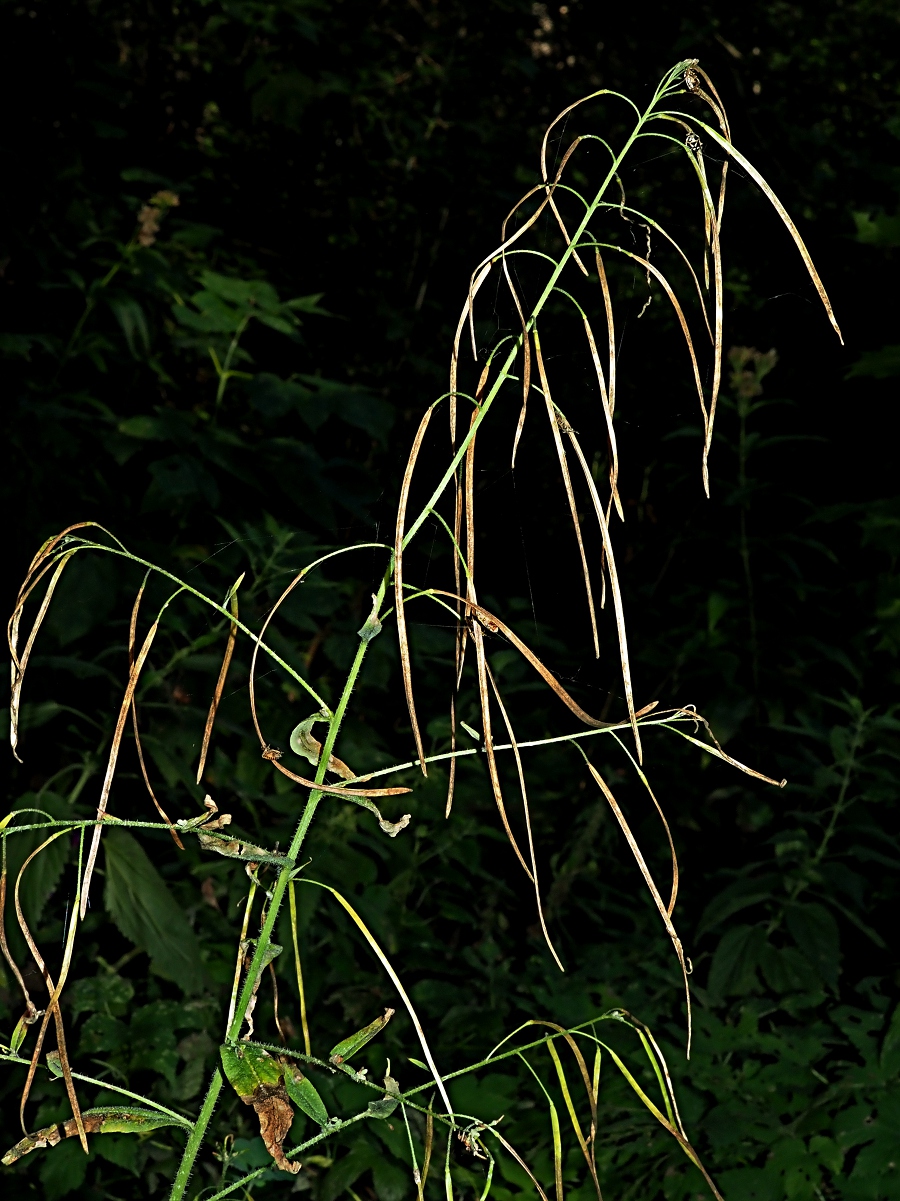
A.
x: 256, y: 1077
x: 275, y: 1119
x: 304, y: 742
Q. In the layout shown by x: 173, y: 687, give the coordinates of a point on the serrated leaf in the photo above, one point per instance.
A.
x: 816, y: 933
x: 735, y: 961
x: 141, y: 905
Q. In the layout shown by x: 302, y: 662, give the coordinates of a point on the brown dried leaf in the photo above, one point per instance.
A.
x: 570, y: 494
x: 220, y: 683
x: 133, y: 678
x: 402, y: 636
x: 132, y: 638
x: 275, y: 1119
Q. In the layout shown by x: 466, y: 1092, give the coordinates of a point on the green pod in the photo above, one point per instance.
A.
x: 247, y: 1067
x: 301, y: 1091
x: 129, y: 1121
x: 351, y: 1045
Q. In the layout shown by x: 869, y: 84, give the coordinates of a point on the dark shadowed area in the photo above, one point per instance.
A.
x: 237, y: 239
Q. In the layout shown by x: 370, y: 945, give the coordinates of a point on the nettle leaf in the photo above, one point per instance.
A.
x: 787, y: 970
x: 226, y: 303
x: 735, y: 961
x: 316, y: 399
x: 350, y: 403
x: 108, y: 993
x: 737, y: 896
x: 890, y: 1050
x: 141, y: 905
x: 179, y: 478
x: 879, y: 364
x: 43, y: 874
x: 816, y: 933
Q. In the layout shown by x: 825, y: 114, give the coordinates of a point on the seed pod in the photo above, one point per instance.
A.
x: 351, y: 1045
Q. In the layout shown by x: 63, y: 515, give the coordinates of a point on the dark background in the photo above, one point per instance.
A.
x: 368, y: 153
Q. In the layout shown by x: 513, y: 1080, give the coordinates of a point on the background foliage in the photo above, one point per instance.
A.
x: 294, y: 193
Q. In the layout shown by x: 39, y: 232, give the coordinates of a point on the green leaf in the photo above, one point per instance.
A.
x: 43, y: 874
x: 383, y: 1108
x: 301, y: 1091
x: 106, y: 993
x: 133, y: 322
x: 737, y: 896
x: 141, y: 905
x: 134, y: 1120
x: 347, y: 1171
x: 880, y: 230
x: 879, y: 364
x: 816, y: 933
x: 247, y: 1067
x: 104, y: 1120
x: 735, y: 961
x: 351, y: 1045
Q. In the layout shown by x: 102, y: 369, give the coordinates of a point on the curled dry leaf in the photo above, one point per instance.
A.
x: 208, y: 828
x: 275, y: 1120
x: 304, y: 742
x: 273, y: 755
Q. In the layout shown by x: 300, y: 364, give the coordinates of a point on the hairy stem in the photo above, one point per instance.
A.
x: 265, y: 935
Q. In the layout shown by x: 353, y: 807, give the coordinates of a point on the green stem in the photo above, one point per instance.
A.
x: 89, y: 306
x: 265, y: 935
x: 197, y: 1135
x: 285, y: 874
x: 571, y: 248
x: 121, y: 551
x: 224, y: 370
